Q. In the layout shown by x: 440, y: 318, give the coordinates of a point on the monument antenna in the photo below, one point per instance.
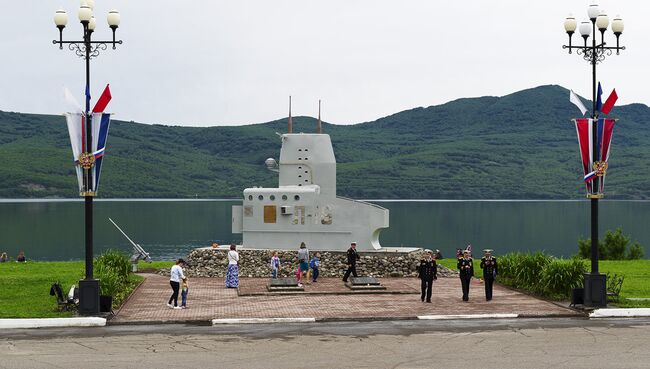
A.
x: 320, y: 127
x: 290, y: 125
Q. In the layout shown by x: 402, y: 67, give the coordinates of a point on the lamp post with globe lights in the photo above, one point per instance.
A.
x: 87, y: 49
x: 595, y: 283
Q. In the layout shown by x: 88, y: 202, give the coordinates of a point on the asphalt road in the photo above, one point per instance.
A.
x: 498, y: 343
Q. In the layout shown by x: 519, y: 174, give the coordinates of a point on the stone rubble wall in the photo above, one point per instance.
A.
x: 256, y: 263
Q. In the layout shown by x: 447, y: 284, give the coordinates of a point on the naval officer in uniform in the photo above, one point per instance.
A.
x: 466, y: 268
x: 490, y: 269
x: 352, y: 256
x: 428, y: 272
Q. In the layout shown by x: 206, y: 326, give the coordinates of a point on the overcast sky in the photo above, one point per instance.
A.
x: 217, y: 62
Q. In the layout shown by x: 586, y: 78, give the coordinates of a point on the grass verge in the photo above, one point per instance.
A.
x: 152, y: 267
x: 26, y: 288
x: 636, y: 283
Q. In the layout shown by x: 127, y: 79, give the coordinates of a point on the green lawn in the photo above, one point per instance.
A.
x: 452, y: 262
x: 25, y: 287
x: 636, y: 283
x: 152, y: 267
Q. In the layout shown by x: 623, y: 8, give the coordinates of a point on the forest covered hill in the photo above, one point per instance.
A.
x: 518, y: 146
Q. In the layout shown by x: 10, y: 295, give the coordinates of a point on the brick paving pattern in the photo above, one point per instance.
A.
x: 210, y: 299
x: 258, y: 286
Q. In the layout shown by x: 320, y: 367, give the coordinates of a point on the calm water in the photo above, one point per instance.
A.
x: 53, y: 230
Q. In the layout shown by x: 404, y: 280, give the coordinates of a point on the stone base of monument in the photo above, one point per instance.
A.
x: 364, y: 283
x: 284, y: 285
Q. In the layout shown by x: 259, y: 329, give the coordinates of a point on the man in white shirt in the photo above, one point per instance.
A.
x: 175, y: 281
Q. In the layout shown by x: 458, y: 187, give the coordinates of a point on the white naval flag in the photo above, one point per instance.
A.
x: 577, y: 102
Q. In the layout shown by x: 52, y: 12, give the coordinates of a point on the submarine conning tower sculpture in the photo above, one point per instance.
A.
x: 304, y: 207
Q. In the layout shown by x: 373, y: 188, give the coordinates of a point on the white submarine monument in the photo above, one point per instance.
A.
x: 304, y: 207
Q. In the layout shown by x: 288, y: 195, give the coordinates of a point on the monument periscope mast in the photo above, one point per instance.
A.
x: 304, y: 207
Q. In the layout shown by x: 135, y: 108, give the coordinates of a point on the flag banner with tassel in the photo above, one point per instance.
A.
x: 89, y: 158
x: 594, y: 167
x: 84, y: 158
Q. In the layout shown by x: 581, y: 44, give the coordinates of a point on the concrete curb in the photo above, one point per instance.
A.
x: 52, y: 322
x: 467, y: 316
x: 262, y: 320
x: 620, y: 313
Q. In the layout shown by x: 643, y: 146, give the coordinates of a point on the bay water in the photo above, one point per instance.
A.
x: 52, y: 230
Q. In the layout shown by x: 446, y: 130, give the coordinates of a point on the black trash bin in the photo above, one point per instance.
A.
x: 578, y: 296
x: 105, y: 303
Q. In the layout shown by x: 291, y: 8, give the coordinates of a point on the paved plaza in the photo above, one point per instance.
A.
x: 328, y: 299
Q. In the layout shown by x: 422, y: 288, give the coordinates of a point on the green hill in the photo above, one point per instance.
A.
x: 522, y: 145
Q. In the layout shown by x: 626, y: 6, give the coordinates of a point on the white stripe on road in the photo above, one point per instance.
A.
x: 52, y: 322
x: 620, y: 313
x: 262, y: 320
x: 466, y: 316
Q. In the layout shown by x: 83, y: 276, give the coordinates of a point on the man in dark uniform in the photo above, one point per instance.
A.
x: 428, y: 272
x: 489, y: 266
x: 353, y: 256
x: 466, y: 268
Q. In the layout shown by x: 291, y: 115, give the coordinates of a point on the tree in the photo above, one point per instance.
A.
x: 613, y: 247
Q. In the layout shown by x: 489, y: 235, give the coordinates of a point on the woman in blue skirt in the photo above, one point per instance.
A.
x: 232, y: 276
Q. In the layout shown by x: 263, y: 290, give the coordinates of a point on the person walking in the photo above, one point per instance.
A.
x: 303, y: 260
x: 232, y: 275
x: 176, y: 276
x: 490, y: 270
x: 352, y: 256
x: 275, y: 265
x: 466, y: 268
x: 428, y: 272
x: 315, y: 266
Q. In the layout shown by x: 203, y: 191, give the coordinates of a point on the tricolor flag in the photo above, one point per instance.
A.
x: 584, y: 129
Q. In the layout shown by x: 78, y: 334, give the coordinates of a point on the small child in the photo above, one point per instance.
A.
x: 184, y: 290
x: 299, y: 276
x: 315, y: 265
x: 275, y: 265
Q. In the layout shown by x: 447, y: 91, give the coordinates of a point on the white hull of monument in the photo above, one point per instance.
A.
x: 304, y: 207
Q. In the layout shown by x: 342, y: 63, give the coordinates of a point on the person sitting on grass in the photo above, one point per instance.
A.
x: 21, y: 257
x: 3, y: 257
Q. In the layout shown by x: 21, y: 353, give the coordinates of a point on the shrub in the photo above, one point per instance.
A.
x: 636, y: 252
x: 523, y: 270
x: 613, y: 247
x: 112, y: 268
x: 541, y: 274
x: 109, y: 281
x: 560, y: 276
x: 116, y: 261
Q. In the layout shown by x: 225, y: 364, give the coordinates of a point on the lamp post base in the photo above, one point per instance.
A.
x: 595, y: 290
x: 89, y: 296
